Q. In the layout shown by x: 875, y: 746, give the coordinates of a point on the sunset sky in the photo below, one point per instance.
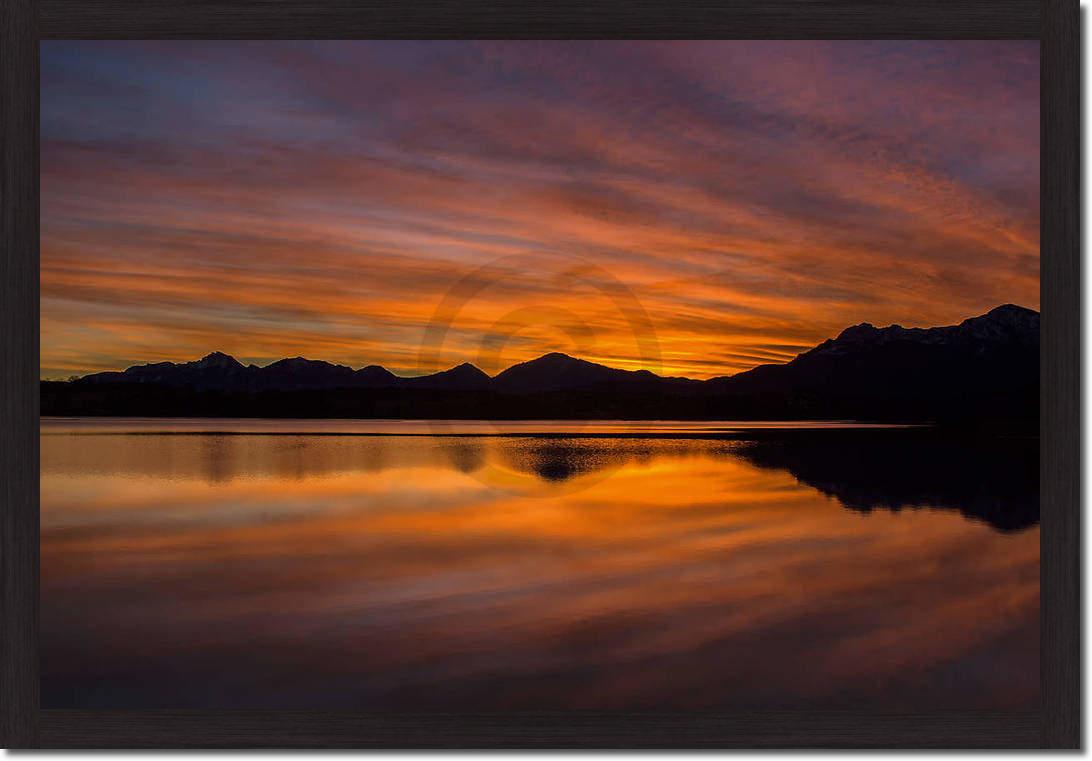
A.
x: 693, y: 208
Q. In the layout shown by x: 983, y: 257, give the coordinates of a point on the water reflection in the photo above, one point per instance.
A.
x: 383, y: 572
x: 993, y: 480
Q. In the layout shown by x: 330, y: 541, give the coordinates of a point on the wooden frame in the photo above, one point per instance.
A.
x: 24, y: 22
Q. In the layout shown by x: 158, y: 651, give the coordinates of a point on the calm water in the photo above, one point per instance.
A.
x: 554, y: 566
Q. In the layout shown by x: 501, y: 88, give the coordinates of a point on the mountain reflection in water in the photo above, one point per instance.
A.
x: 539, y: 572
x: 994, y: 480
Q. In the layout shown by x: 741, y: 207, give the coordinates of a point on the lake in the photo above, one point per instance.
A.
x: 539, y: 565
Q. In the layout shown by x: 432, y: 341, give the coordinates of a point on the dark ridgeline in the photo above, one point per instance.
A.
x: 983, y: 371
x: 560, y: 372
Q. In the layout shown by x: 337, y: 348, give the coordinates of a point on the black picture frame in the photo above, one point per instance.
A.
x: 23, y: 23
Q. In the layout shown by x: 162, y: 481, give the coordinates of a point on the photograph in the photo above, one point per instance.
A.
x: 408, y: 376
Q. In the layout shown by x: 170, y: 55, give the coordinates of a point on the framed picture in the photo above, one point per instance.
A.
x: 518, y: 376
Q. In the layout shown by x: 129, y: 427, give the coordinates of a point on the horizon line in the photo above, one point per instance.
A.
x: 217, y: 352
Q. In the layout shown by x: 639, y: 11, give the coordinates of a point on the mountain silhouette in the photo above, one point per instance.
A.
x: 986, y: 367
x: 221, y: 372
x: 214, y: 371
x: 556, y: 372
x: 985, y: 362
x: 374, y: 376
x: 464, y: 377
x: 296, y: 373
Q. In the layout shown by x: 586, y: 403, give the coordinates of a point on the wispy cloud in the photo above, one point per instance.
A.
x: 274, y: 199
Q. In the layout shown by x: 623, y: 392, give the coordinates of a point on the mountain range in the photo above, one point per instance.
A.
x: 984, y: 366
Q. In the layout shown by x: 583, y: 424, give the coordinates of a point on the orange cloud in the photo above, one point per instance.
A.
x: 321, y: 199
